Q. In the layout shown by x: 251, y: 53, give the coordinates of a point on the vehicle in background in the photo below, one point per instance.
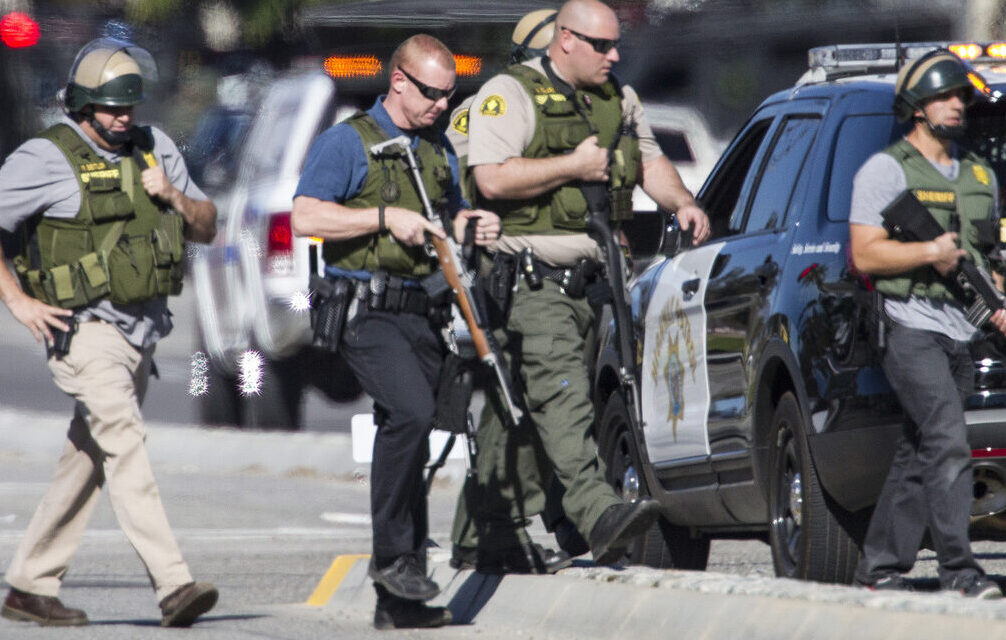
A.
x: 685, y: 138
x: 765, y: 412
x: 212, y: 155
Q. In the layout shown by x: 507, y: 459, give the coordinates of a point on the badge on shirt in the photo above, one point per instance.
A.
x: 981, y: 175
x: 460, y: 123
x: 493, y: 106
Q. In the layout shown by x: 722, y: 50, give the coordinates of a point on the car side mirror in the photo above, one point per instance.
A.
x: 674, y: 239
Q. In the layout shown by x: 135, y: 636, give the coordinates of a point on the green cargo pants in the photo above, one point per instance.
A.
x: 550, y: 331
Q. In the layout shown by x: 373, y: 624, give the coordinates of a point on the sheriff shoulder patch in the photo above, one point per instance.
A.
x: 460, y: 123
x: 981, y: 175
x: 493, y: 106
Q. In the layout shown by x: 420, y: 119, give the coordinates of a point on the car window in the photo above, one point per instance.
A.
x: 722, y: 196
x: 674, y: 144
x: 859, y: 137
x: 779, y: 174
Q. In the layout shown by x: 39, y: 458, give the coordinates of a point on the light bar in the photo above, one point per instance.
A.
x: 996, y: 50
x: 866, y: 56
x: 968, y: 51
x: 353, y: 66
x: 467, y: 66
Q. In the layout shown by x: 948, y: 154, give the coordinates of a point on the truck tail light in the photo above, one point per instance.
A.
x: 279, y: 246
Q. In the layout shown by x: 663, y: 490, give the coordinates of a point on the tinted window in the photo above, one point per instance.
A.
x: 779, y: 174
x: 987, y: 135
x: 674, y: 145
x: 722, y: 193
x: 859, y: 137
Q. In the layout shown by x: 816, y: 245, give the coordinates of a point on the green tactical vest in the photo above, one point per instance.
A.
x: 970, y: 196
x: 120, y: 246
x: 389, y: 182
x: 559, y: 128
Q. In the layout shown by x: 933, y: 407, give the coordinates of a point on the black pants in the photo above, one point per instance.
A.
x: 929, y: 484
x: 397, y: 359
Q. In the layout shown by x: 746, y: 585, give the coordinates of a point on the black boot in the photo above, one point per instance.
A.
x: 618, y: 525
x: 393, y: 612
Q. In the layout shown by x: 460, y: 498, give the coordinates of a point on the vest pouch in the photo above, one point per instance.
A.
x: 565, y: 136
x: 168, y: 244
x: 67, y: 244
x: 569, y: 209
x: 107, y: 201
x: 131, y: 270
x: 621, y: 205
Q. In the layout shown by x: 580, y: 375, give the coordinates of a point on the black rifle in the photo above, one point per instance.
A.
x: 908, y: 220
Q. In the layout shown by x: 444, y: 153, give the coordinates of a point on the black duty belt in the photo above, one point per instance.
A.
x: 385, y: 292
x: 571, y: 280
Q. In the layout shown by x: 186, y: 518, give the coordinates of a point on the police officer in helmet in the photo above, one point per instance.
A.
x: 926, y: 359
x: 102, y: 207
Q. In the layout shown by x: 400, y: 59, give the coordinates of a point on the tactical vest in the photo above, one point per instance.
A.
x: 970, y: 197
x: 121, y: 245
x: 389, y: 182
x: 561, y: 125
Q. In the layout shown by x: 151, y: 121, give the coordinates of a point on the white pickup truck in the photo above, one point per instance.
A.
x: 249, y: 281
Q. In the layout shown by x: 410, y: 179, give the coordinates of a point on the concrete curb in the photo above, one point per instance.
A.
x: 43, y: 435
x: 600, y: 602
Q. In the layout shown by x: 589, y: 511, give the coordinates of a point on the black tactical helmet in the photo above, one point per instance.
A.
x: 934, y: 73
x: 108, y: 71
x: 532, y: 34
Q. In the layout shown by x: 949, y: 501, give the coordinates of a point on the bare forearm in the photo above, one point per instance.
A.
x: 662, y: 182
x: 330, y: 220
x: 523, y: 178
x: 200, y: 217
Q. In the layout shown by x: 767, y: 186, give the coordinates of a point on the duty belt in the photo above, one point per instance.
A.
x: 572, y: 281
x: 385, y: 292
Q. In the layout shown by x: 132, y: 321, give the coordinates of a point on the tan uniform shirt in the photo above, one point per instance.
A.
x: 501, y: 124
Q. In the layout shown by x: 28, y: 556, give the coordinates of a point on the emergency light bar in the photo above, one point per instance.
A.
x: 840, y: 60
x: 369, y: 66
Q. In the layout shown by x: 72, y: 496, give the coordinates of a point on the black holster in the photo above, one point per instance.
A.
x: 60, y: 345
x: 496, y: 278
x: 454, y: 393
x: 330, y: 302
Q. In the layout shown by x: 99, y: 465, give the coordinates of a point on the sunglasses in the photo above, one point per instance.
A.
x: 430, y: 93
x: 600, y: 45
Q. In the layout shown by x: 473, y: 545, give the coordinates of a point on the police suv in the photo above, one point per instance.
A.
x: 764, y: 409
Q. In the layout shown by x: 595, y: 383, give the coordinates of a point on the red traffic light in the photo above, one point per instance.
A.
x: 18, y: 30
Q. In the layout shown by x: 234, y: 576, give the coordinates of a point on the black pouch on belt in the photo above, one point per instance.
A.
x: 497, y: 281
x: 330, y: 301
x: 454, y: 393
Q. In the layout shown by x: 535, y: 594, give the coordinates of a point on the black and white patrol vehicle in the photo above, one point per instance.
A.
x: 764, y: 410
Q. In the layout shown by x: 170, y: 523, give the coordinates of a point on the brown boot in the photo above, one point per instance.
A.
x: 186, y: 603
x: 47, y: 611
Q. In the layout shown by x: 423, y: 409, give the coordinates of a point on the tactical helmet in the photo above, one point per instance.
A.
x: 108, y: 71
x: 934, y: 73
x: 532, y: 34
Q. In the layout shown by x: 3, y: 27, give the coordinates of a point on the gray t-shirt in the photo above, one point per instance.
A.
x: 877, y: 183
x: 37, y: 178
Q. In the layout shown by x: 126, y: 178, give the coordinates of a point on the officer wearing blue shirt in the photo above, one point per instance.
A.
x: 369, y: 213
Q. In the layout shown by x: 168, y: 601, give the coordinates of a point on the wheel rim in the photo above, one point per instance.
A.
x: 787, y: 520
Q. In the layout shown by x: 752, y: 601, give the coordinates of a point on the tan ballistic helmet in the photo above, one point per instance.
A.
x: 928, y: 76
x: 110, y: 72
x: 532, y: 34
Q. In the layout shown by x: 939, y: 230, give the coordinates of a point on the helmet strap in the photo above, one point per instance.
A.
x: 114, y: 138
x: 944, y: 132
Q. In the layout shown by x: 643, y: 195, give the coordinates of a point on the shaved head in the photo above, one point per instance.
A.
x: 420, y: 48
x: 586, y: 16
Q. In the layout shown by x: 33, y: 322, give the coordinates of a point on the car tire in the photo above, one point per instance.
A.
x: 664, y: 545
x: 812, y: 538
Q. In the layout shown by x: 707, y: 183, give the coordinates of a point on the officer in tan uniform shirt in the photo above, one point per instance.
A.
x: 536, y: 131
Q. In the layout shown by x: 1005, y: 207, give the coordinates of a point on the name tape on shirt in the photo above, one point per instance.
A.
x: 493, y: 106
x: 930, y: 196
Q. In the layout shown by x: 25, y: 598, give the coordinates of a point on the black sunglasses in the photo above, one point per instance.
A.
x: 430, y: 93
x: 600, y: 45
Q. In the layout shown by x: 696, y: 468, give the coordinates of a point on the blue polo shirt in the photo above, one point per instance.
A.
x: 336, y: 165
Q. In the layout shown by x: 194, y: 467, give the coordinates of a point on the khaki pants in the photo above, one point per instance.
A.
x: 107, y: 377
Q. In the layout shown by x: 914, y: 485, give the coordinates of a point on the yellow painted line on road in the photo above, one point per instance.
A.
x: 333, y: 578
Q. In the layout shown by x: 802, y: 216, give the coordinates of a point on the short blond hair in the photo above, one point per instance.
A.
x: 421, y: 45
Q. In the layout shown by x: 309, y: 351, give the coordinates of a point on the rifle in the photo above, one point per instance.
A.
x: 596, y: 194
x: 459, y: 280
x: 908, y: 220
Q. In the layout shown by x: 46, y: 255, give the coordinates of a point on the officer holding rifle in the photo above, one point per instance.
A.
x: 537, y: 132
x: 926, y: 359
x: 358, y: 193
